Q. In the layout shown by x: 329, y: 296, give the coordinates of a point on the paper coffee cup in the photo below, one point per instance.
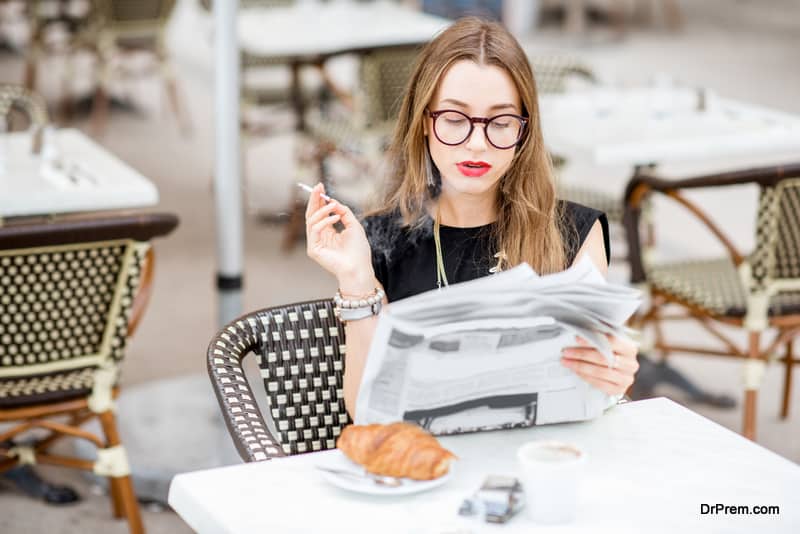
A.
x: 551, y: 474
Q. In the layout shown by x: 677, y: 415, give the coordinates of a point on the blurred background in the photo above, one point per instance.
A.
x: 136, y: 80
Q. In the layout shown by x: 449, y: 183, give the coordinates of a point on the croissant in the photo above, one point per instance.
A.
x: 397, y: 450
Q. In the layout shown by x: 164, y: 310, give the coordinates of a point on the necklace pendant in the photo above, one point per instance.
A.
x: 501, y: 256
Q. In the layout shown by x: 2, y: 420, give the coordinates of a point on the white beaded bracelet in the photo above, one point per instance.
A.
x: 355, y: 309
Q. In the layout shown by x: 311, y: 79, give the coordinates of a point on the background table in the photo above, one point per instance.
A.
x: 102, y: 181
x: 640, y: 126
x: 314, y: 30
x: 651, y: 464
x: 308, y: 33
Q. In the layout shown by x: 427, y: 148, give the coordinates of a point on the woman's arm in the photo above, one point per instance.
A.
x: 358, y: 336
x: 586, y: 361
x: 346, y: 254
x: 595, y: 247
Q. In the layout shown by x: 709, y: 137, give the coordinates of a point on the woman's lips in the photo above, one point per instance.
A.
x: 473, y: 169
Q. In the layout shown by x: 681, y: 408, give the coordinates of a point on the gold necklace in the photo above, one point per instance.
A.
x: 441, y: 275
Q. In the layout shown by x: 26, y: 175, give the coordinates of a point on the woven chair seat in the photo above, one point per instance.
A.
x: 714, y: 285
x: 48, y: 387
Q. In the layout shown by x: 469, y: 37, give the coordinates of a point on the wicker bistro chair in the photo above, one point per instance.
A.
x: 71, y: 293
x: 131, y: 25
x: 17, y: 97
x: 300, y: 350
x: 554, y: 73
x: 358, y: 129
x: 755, y: 292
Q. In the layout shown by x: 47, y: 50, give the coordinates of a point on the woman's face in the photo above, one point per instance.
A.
x: 473, y: 167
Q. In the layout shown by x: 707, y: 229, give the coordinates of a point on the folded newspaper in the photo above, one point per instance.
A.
x: 485, y: 354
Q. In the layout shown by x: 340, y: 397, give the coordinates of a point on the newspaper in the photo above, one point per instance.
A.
x: 486, y: 353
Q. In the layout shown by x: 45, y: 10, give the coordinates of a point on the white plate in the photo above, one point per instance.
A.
x: 339, y: 461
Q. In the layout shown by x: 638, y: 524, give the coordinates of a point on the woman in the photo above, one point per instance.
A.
x: 471, y: 191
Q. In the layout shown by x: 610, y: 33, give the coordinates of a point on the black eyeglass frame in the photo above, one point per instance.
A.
x: 483, y: 120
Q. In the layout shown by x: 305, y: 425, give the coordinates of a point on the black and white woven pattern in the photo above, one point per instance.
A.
x: 552, y: 72
x: 300, y: 351
x: 777, y: 251
x: 715, y: 286
x: 383, y: 76
x: 58, y: 307
x: 787, y: 252
x: 30, y: 103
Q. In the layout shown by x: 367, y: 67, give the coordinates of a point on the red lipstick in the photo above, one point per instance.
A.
x: 473, y: 169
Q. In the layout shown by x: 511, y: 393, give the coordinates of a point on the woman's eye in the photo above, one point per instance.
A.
x: 458, y: 120
x: 501, y: 124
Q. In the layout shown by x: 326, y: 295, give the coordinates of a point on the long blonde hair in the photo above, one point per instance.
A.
x: 528, y: 221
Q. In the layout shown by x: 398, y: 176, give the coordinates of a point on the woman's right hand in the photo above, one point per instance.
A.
x: 346, y: 254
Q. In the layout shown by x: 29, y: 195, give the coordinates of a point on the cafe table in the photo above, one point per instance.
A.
x: 633, y: 126
x: 651, y: 466
x: 70, y: 174
x: 308, y: 33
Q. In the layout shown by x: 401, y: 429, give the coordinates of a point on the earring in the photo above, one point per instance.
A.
x: 429, y: 167
x: 432, y: 174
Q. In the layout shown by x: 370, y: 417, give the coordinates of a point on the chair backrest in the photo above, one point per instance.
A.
x: 300, y: 350
x: 66, y: 293
x: 17, y: 97
x: 384, y: 75
x: 553, y: 72
x: 131, y: 19
x: 208, y: 5
x: 776, y: 257
x: 135, y: 11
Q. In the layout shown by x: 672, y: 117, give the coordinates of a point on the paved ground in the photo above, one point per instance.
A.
x: 745, y: 49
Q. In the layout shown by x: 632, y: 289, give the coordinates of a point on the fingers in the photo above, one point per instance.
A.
x: 606, y: 387
x: 315, y: 201
x: 592, y: 368
x: 321, y: 213
x: 589, y: 369
x: 316, y: 229
x: 348, y: 218
x: 589, y: 355
x: 621, y: 346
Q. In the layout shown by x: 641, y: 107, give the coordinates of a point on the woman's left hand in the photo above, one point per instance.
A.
x: 590, y: 365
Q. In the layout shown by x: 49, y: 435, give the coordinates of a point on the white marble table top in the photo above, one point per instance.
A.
x: 311, y: 29
x: 633, y: 126
x: 651, y: 465
x: 84, y: 177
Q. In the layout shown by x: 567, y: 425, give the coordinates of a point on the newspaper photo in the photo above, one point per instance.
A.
x: 486, y: 354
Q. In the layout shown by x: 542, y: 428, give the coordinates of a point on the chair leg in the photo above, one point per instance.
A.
x: 787, y: 382
x: 99, y: 113
x: 173, y: 95
x: 658, y: 330
x: 101, y: 102
x: 117, y: 506
x: 29, y: 78
x: 123, y: 497
x: 295, y: 225
x: 753, y: 371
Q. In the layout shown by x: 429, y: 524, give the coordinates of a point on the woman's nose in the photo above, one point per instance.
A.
x: 477, y: 139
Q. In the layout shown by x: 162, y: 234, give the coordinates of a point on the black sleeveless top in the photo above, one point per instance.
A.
x: 404, y: 260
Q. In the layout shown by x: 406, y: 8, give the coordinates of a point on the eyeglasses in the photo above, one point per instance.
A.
x: 452, y: 128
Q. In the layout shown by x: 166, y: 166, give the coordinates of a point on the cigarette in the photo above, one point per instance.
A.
x: 310, y: 189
